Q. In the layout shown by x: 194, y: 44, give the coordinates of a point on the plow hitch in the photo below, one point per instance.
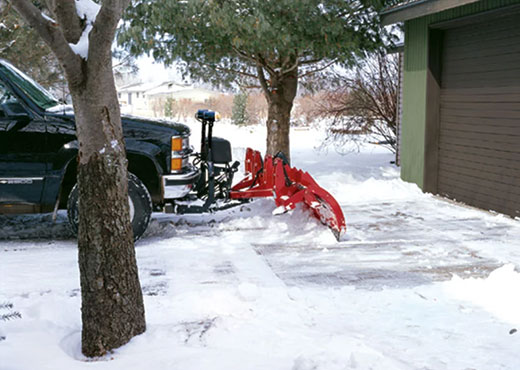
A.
x: 274, y: 177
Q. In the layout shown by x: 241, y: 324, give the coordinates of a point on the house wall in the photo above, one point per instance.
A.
x: 414, y: 156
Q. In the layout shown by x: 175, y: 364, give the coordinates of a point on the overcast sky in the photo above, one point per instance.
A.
x: 150, y: 71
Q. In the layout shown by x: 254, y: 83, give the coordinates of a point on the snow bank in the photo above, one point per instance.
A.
x: 499, y: 293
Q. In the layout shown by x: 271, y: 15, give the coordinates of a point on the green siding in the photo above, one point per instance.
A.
x: 414, y: 85
x: 414, y: 102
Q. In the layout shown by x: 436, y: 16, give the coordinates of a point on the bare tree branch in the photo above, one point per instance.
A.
x: 245, y: 55
x: 223, y: 69
x: 106, y: 20
x: 53, y: 36
x: 318, y: 69
x: 263, y: 82
x: 261, y: 60
x: 248, y: 86
x: 66, y: 15
x: 294, y: 66
x: 309, y: 61
x: 364, y: 104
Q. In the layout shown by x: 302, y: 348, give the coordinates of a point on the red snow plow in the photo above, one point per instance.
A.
x: 268, y: 177
x: 289, y: 186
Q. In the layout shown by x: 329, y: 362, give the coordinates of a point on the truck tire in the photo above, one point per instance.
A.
x: 140, y: 206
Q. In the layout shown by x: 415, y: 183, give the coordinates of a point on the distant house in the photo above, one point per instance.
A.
x: 180, y: 92
x: 143, y: 98
x: 133, y: 98
x: 460, y: 129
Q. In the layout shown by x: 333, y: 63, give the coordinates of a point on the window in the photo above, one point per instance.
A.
x: 33, y: 90
x: 9, y: 104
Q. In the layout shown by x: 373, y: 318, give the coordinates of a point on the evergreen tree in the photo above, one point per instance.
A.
x: 239, y: 114
x: 268, y: 44
x: 168, y: 107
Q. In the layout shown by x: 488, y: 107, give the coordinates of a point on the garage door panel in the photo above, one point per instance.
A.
x: 484, y: 200
x: 479, y: 138
x: 462, y: 67
x: 485, y: 55
x: 473, y: 32
x: 490, y: 156
x: 469, y: 80
x: 479, y: 90
x: 480, y: 196
x: 451, y: 112
x: 470, y: 192
x: 476, y: 163
x: 497, y: 146
x: 505, y: 178
x: 499, y: 41
x: 490, y: 145
x: 451, y: 96
x: 495, y: 40
x: 491, y: 122
x: 481, y: 129
x: 498, y: 191
x: 483, y: 137
x: 513, y: 107
x: 480, y: 79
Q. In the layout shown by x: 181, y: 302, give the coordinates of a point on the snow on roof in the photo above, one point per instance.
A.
x: 400, y: 4
x: 164, y: 88
x: 137, y: 87
x: 168, y: 87
x: 405, y: 10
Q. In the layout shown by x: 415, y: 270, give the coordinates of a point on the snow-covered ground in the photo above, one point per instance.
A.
x: 416, y: 283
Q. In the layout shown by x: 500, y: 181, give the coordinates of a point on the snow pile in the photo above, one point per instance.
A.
x: 499, y: 293
x: 88, y: 11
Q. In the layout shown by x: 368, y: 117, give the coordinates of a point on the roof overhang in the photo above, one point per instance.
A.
x: 419, y: 8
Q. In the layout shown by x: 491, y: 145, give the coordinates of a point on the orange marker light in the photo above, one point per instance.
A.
x: 176, y: 164
x: 176, y: 143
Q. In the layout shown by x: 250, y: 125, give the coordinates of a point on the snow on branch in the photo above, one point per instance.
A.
x: 88, y: 11
x: 49, y: 19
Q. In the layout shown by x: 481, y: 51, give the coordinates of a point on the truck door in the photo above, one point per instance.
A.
x: 22, y: 162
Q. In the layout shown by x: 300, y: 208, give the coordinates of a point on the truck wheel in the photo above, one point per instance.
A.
x: 139, y: 201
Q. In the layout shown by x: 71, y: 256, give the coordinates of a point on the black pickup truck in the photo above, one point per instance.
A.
x: 38, y: 150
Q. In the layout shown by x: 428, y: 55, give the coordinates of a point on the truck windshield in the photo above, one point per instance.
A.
x: 41, y: 97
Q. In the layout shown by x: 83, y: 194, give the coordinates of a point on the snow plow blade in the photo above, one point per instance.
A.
x: 289, y: 186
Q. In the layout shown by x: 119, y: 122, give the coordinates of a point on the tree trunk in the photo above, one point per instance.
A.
x: 280, y: 100
x: 112, y: 302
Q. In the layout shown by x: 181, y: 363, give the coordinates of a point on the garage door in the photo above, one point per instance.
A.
x: 479, y: 142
